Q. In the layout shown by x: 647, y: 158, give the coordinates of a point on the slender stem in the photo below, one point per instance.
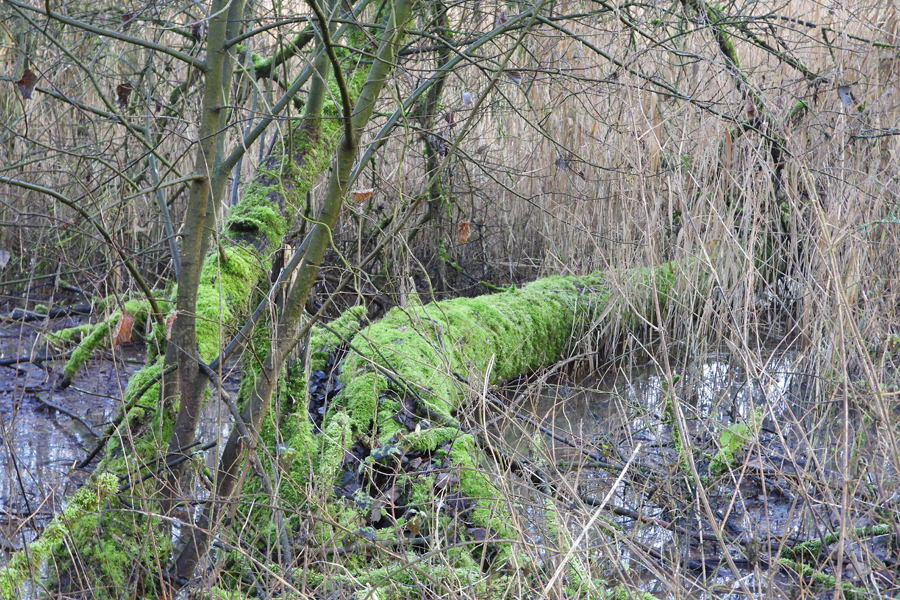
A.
x: 257, y: 404
x: 382, y: 135
x: 157, y: 313
x: 307, y: 33
x: 131, y: 127
x: 289, y: 94
x: 187, y: 58
x: 183, y: 343
x: 338, y: 73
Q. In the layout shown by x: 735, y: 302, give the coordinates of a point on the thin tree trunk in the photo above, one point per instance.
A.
x: 285, y: 338
x: 196, y: 234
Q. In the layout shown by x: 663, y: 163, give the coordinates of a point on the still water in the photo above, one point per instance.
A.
x: 781, y: 485
x: 780, y: 488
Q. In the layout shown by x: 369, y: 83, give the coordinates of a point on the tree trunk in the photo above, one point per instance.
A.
x: 347, y: 444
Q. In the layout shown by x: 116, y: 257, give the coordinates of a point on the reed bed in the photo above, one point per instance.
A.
x: 761, y: 176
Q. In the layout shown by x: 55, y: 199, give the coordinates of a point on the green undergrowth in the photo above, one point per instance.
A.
x: 801, y: 558
x: 433, y: 358
x: 733, y: 441
x: 234, y: 272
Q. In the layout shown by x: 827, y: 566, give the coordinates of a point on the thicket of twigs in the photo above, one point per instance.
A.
x: 758, y: 143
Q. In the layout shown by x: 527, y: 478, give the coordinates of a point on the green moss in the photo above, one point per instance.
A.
x: 226, y: 286
x: 323, y: 342
x: 427, y: 352
x: 91, y: 336
x: 559, y: 534
x: 732, y: 441
x: 254, y: 228
x: 140, y: 379
x: 811, y: 550
x: 823, y: 579
x: 490, y: 511
x: 124, y: 551
x: 70, y: 334
x: 454, y: 569
x: 305, y: 453
x: 144, y: 412
x: 426, y: 349
x: 85, y: 503
x: 41, y: 309
x: 82, y: 353
x: 360, y: 399
x: 429, y: 439
x: 261, y: 215
x: 337, y: 438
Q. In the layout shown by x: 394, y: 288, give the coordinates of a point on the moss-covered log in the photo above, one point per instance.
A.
x: 386, y: 459
x: 90, y: 336
x: 402, y: 385
x: 86, y: 555
x: 230, y: 276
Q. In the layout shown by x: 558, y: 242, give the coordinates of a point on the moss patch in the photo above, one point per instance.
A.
x: 82, y: 353
x: 435, y: 357
x: 70, y: 334
x: 84, y: 504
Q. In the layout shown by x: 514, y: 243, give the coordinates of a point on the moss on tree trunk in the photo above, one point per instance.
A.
x: 404, y: 381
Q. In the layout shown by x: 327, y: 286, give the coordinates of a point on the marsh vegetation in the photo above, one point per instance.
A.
x: 450, y: 299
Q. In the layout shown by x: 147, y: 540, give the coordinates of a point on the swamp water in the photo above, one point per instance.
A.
x: 780, y: 490
x: 41, y: 445
x: 779, y: 484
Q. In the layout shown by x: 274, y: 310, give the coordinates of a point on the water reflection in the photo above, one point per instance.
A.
x: 40, y: 445
x: 631, y: 411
